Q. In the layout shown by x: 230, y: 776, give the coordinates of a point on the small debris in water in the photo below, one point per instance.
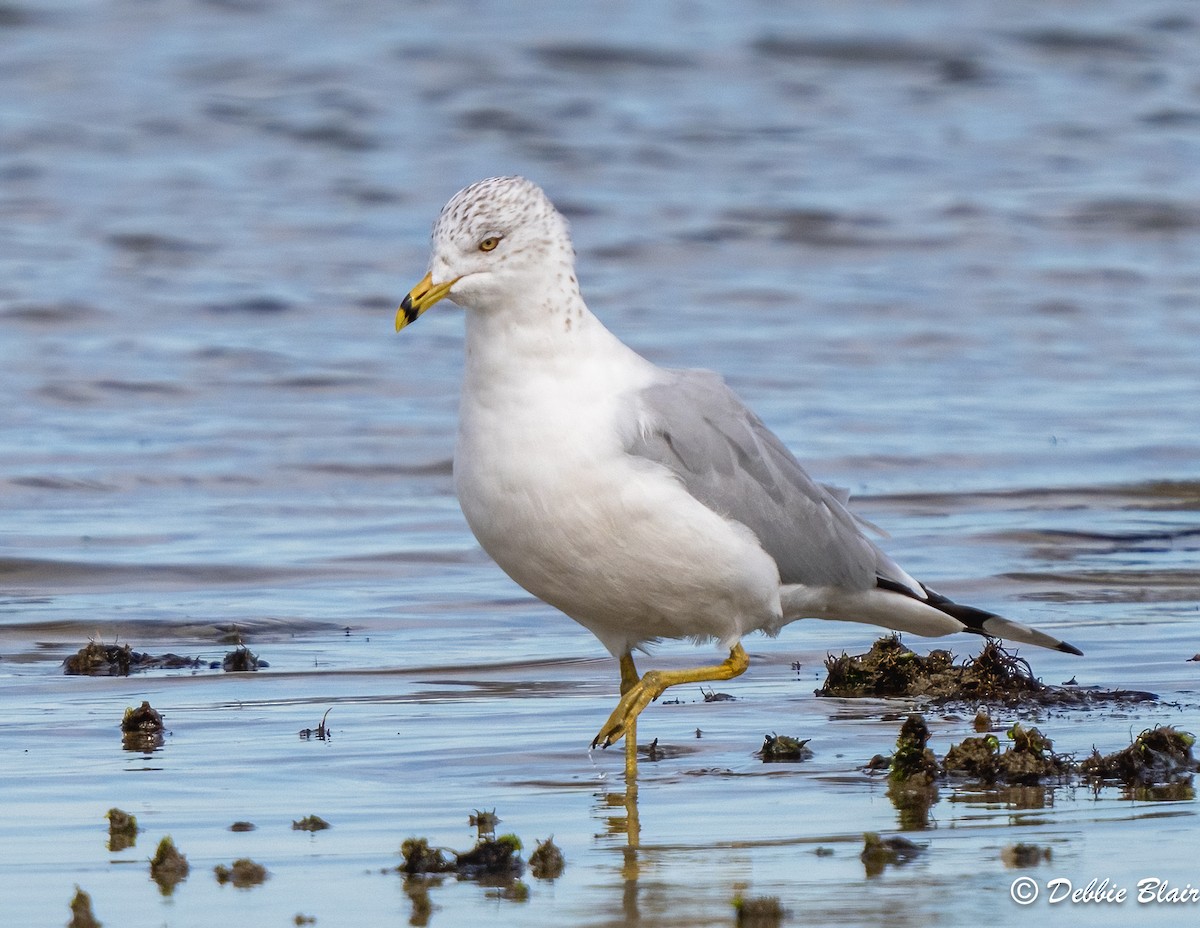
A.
x: 243, y: 873
x: 778, y: 748
x: 321, y: 732
x: 122, y: 830
x: 81, y: 911
x: 547, y: 863
x: 879, y: 762
x: 1024, y: 855
x: 714, y: 696
x: 310, y: 823
x: 484, y: 823
x: 879, y: 852
x: 302, y: 919
x: 168, y: 867
x: 241, y: 660
x: 759, y: 911
x: 242, y: 826
x: 1160, y: 755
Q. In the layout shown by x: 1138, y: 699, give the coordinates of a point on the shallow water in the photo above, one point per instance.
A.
x: 950, y: 252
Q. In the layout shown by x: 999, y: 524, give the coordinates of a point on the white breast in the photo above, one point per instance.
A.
x: 548, y: 490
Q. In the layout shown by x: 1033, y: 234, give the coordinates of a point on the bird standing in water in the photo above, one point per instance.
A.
x: 644, y: 503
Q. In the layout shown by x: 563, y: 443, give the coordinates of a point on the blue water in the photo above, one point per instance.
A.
x: 949, y: 251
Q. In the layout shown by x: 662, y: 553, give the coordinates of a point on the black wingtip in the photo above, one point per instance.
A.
x: 1069, y: 649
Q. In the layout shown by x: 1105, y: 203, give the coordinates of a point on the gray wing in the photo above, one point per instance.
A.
x: 694, y: 425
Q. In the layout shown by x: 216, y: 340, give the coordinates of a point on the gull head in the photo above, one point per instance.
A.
x: 493, y: 244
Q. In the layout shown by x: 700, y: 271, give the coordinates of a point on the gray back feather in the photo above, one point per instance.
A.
x: 694, y: 425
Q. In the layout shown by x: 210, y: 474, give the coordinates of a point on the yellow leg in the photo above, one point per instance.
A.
x: 640, y: 694
x: 629, y: 674
x: 631, y: 758
x: 630, y: 679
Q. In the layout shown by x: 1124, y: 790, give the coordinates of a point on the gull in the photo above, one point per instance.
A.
x: 643, y: 503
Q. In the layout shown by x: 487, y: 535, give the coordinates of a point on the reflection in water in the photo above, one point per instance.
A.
x: 627, y: 824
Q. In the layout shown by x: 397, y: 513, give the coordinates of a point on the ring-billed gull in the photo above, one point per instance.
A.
x: 644, y: 503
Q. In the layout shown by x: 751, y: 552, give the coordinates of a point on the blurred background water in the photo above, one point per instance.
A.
x: 949, y: 251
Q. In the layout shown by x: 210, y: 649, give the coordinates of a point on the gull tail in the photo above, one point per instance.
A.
x: 984, y: 623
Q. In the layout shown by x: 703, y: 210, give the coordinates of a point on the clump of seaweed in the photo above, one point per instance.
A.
x: 498, y: 858
x: 242, y: 873
x: 783, y: 748
x: 168, y: 867
x: 994, y: 676
x: 141, y: 728
x: 1024, y: 855
x: 878, y: 852
x: 759, y: 911
x: 144, y: 719
x: 912, y: 780
x: 914, y: 762
x: 122, y: 830
x: 547, y: 862
x: 419, y: 857
x: 111, y: 660
x: 243, y: 826
x: 241, y: 660
x: 1028, y: 761
x: 1157, y: 756
x: 310, y: 823
x: 81, y: 911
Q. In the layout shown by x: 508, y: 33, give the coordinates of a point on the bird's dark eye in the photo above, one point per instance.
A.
x: 489, y: 243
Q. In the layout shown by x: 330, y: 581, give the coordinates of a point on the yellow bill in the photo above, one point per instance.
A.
x: 420, y: 298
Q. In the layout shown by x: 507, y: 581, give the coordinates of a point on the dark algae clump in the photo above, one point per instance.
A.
x: 1158, y: 756
x: 759, y: 911
x: 168, y: 867
x: 547, y: 861
x: 996, y: 676
x: 122, y: 830
x: 777, y: 748
x: 878, y: 852
x: 419, y: 857
x: 241, y: 660
x: 242, y: 873
x: 498, y: 858
x: 912, y: 779
x: 310, y: 823
x: 142, y: 728
x: 81, y: 911
x: 111, y: 660
x: 494, y: 862
x: 1028, y: 761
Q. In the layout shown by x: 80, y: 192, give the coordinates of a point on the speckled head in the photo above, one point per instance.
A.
x: 491, y: 243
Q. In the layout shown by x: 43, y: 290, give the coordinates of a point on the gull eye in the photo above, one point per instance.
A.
x: 489, y: 243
